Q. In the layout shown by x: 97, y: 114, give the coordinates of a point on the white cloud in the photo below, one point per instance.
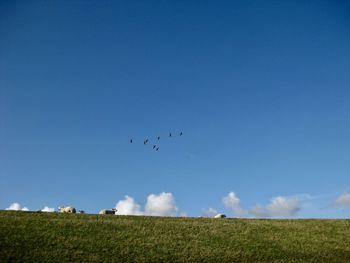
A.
x: 156, y: 205
x: 48, y: 209
x: 279, y: 207
x: 210, y: 212
x: 17, y: 207
x: 232, y: 202
x: 343, y: 200
x: 128, y: 206
x: 161, y: 205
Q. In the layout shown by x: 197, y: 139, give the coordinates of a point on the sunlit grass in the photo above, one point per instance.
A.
x: 45, y: 237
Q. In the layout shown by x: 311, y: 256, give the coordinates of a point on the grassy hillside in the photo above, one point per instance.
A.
x: 45, y: 237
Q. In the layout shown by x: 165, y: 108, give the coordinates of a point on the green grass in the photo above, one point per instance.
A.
x: 52, y: 237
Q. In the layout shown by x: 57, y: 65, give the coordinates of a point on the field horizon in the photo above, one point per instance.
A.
x: 48, y: 237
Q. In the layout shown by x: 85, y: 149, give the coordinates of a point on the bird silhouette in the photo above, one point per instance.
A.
x: 154, y: 146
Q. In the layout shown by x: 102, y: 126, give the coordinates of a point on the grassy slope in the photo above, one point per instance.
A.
x: 27, y: 236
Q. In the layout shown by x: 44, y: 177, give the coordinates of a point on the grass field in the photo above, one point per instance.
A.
x: 53, y: 237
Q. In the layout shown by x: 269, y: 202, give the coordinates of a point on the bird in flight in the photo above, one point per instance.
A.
x: 156, y: 146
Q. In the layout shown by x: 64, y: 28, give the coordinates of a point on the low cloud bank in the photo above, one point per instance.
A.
x: 343, y: 200
x: 48, y: 209
x: 17, y: 207
x: 279, y: 207
x: 156, y: 205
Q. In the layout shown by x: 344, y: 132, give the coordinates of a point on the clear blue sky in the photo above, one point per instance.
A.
x: 260, y: 89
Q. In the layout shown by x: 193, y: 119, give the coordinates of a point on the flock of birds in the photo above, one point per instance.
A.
x: 156, y: 146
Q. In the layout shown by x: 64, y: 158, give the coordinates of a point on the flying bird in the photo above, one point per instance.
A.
x: 154, y: 146
x: 180, y: 133
x: 145, y: 142
x: 131, y: 141
x: 169, y: 134
x: 157, y: 148
x: 158, y: 138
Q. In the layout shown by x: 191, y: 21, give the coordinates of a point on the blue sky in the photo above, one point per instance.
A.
x: 260, y: 89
